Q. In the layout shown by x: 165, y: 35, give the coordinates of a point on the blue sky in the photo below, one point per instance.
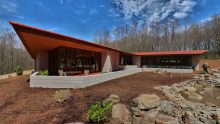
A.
x: 81, y: 18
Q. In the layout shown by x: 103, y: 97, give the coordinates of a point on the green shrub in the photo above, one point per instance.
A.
x: 18, y: 70
x: 44, y: 73
x: 98, y: 112
x: 203, y: 72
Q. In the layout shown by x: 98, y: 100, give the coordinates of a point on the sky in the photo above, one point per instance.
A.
x: 82, y: 18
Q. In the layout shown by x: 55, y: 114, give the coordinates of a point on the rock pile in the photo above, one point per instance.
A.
x: 176, y: 109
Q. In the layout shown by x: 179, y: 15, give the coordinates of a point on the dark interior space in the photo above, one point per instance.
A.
x: 73, y: 60
x: 180, y: 61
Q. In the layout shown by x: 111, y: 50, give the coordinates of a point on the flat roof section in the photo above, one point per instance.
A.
x: 186, y: 52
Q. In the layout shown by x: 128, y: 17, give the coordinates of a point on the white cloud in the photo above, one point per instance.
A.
x: 8, y: 6
x: 205, y: 19
x: 180, y: 15
x: 149, y: 10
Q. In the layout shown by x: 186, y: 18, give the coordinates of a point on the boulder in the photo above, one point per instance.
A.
x: 177, y: 87
x: 165, y: 119
x: 120, y: 112
x: 147, y: 101
x: 167, y: 106
x: 196, y: 77
x: 135, y: 111
x: 113, y: 99
x: 173, y: 96
x: 136, y: 120
x: 195, y: 96
x: 62, y: 95
x: 216, y: 116
x: 190, y: 89
x: 216, y: 75
x: 188, y: 105
x: 150, y: 115
x: 209, y: 121
x: 188, y: 118
x: 146, y: 117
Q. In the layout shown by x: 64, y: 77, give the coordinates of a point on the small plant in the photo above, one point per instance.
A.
x: 44, y: 73
x: 203, y: 72
x: 98, y: 112
x: 18, y: 70
x: 62, y: 95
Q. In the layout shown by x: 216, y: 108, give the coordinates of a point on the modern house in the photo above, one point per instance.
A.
x: 55, y: 52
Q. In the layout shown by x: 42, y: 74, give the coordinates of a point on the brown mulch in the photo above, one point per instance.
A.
x: 21, y: 104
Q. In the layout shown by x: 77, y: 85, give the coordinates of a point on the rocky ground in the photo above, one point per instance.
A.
x: 184, y: 103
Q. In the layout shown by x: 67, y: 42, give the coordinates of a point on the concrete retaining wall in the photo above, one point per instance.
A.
x: 77, y: 81
x: 128, y: 66
x: 173, y: 70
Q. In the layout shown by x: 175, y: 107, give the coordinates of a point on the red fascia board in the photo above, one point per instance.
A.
x: 187, y: 52
x: 22, y: 26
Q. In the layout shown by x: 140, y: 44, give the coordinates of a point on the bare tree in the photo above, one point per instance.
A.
x: 11, y: 54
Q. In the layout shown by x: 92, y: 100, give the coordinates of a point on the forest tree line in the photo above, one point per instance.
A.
x: 164, y: 35
x: 12, y: 53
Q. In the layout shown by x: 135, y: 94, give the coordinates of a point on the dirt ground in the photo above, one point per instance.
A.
x: 213, y: 63
x: 21, y: 104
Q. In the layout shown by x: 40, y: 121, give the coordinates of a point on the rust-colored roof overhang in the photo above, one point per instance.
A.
x: 36, y: 40
x: 186, y: 52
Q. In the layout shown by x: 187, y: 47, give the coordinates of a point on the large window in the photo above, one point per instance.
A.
x: 166, y: 61
x: 69, y: 59
x: 125, y: 59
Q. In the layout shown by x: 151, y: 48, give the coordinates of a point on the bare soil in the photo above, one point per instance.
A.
x: 213, y: 63
x: 23, y: 105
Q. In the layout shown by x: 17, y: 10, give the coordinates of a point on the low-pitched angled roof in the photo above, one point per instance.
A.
x: 186, y: 52
x: 36, y: 39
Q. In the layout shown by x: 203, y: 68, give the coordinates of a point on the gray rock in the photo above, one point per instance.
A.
x: 208, y: 121
x: 136, y: 120
x: 173, y: 96
x: 195, y: 77
x: 177, y: 87
x: 120, y: 112
x: 146, y: 101
x: 188, y: 118
x: 167, y: 107
x: 217, y: 75
x: 151, y: 113
x: 216, y: 116
x: 135, y: 111
x: 210, y: 104
x: 165, y: 119
x: 190, y: 89
x: 195, y: 96
x: 145, y: 117
x: 113, y: 99
x: 188, y: 105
